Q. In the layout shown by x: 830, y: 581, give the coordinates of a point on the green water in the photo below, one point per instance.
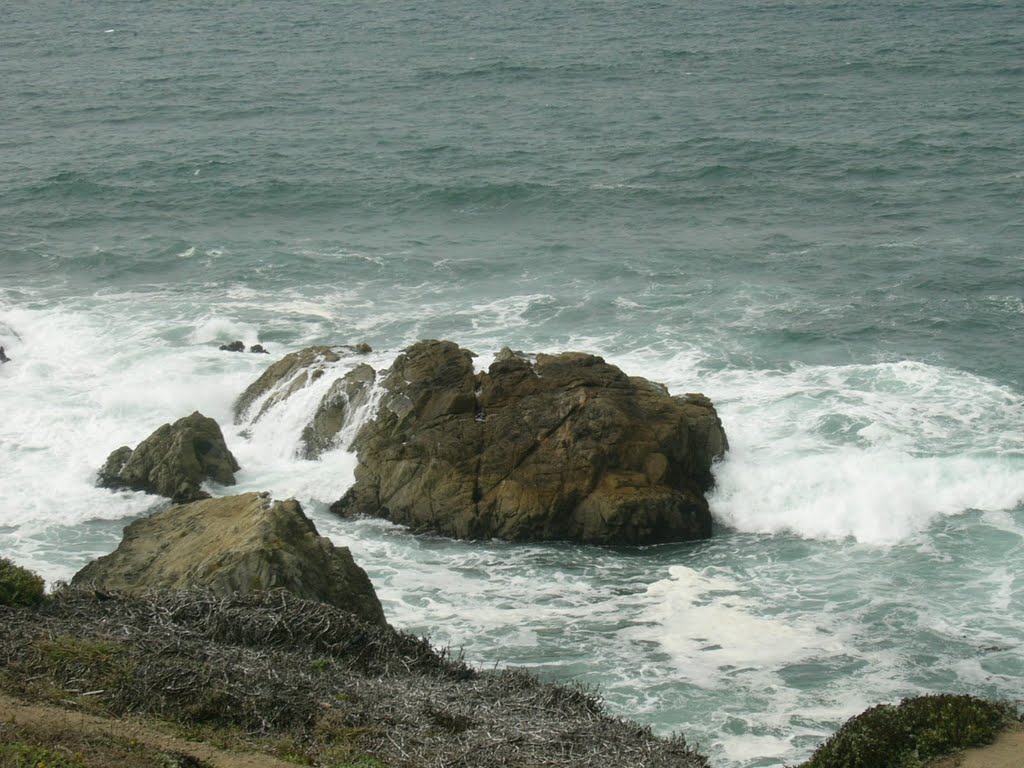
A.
x: 810, y: 211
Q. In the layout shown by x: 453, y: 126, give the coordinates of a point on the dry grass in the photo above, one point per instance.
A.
x: 309, y: 683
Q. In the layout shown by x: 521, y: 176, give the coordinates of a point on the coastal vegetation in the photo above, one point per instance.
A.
x: 910, y: 734
x: 56, y: 745
x: 19, y: 586
x: 190, y: 679
x: 297, y: 682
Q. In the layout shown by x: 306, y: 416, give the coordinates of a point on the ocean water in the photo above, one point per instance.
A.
x: 809, y: 210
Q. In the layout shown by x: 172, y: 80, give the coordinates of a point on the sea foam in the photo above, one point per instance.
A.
x: 876, y: 452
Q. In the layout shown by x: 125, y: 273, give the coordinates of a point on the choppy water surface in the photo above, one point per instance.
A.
x: 808, y: 211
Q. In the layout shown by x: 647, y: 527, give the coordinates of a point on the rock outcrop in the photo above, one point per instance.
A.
x: 336, y: 408
x: 566, y: 447
x: 284, y: 378
x: 174, y: 461
x: 244, y: 544
x: 291, y: 373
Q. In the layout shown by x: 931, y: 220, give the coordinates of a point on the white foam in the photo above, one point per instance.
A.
x: 279, y: 428
x: 876, y: 452
x: 85, y: 381
x: 747, y: 749
x: 875, y: 496
x: 268, y: 444
x: 222, y: 330
x: 76, y: 392
x: 354, y: 421
x: 483, y: 361
x: 711, y: 626
x: 507, y: 312
x: 323, y: 481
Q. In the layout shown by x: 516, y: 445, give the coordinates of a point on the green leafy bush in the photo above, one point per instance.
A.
x: 18, y: 586
x: 917, y: 730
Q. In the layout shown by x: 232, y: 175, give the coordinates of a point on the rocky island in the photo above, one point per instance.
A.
x: 535, y: 448
x: 228, y: 632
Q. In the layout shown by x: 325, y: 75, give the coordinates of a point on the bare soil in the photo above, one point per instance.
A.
x: 1006, y: 752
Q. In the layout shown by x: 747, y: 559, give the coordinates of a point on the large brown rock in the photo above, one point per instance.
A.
x: 243, y: 543
x: 174, y: 461
x: 565, y: 447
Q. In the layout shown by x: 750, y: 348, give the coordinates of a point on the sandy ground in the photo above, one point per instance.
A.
x: 145, y: 732
x: 1006, y: 752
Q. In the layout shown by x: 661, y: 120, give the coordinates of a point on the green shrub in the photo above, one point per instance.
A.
x: 18, y: 586
x: 917, y: 730
x: 20, y: 755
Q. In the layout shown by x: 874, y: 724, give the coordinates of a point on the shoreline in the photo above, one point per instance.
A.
x: 285, y: 675
x: 267, y: 680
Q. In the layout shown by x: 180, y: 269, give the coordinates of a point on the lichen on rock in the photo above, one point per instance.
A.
x: 244, y: 543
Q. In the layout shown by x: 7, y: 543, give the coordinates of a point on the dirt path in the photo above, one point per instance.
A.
x: 1006, y: 752
x: 145, y: 732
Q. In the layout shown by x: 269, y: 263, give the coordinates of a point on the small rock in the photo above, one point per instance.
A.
x: 174, y: 461
x: 234, y: 346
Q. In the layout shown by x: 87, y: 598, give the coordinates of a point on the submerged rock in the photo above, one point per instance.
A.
x: 346, y: 395
x: 174, y: 461
x: 241, y: 544
x: 290, y: 374
x: 564, y: 448
x: 294, y: 373
x: 283, y: 378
